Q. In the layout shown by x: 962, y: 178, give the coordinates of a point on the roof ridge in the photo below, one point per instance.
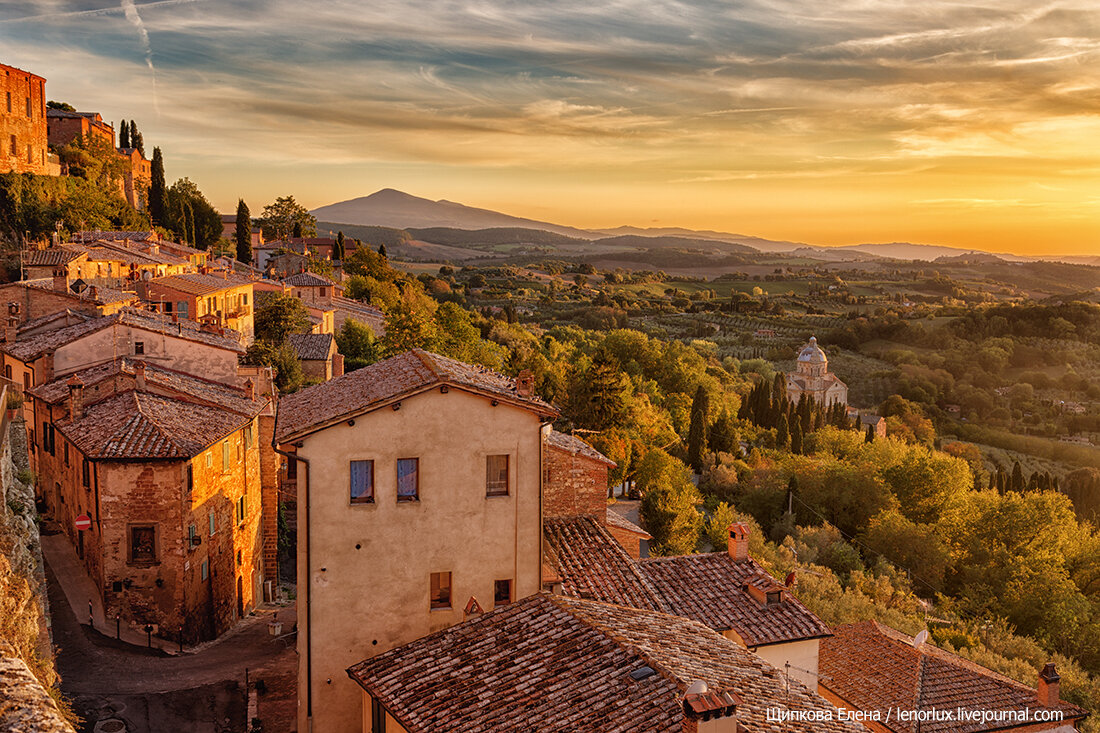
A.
x: 428, y: 363
x: 654, y: 594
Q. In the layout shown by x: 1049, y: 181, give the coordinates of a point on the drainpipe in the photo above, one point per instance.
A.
x: 309, y: 593
x: 542, y: 473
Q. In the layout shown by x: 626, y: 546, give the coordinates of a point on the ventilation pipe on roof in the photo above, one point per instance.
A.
x: 139, y: 374
x: 1049, y: 690
x: 709, y: 710
x: 525, y: 383
x: 76, y: 398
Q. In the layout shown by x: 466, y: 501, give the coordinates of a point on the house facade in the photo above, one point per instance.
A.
x: 24, y: 146
x: 419, y: 488
x: 215, y: 298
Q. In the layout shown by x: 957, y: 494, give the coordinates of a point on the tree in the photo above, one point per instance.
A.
x: 717, y: 527
x: 722, y: 436
x: 697, y: 432
x: 338, y: 248
x: 280, y: 218
x: 382, y: 250
x: 63, y: 106
x: 357, y: 344
x: 796, y: 437
x: 158, y: 192
x: 782, y: 432
x: 279, y: 317
x: 244, y: 233
x: 123, y: 135
x: 190, y: 216
x: 916, y: 548
x: 602, y: 394
x: 135, y: 136
x: 669, y: 501
x: 297, y: 230
x: 282, y: 359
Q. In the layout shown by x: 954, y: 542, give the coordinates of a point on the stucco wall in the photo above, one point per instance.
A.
x: 802, y: 656
x: 371, y: 563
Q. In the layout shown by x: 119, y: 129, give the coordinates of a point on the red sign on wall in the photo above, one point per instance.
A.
x: 83, y: 522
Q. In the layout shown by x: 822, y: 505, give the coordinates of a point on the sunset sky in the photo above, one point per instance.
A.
x: 840, y: 122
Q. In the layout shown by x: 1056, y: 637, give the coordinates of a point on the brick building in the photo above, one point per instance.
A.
x: 63, y: 127
x: 137, y: 174
x: 23, y: 138
x: 317, y: 354
x: 316, y: 291
x: 214, y: 298
x: 574, y: 478
x: 168, y: 468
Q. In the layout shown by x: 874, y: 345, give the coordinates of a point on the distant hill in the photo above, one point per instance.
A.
x: 496, y: 235
x: 367, y: 234
x: 390, y: 208
x: 635, y: 241
x: 758, y: 243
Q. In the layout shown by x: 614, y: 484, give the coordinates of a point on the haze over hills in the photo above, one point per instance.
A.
x: 391, y: 208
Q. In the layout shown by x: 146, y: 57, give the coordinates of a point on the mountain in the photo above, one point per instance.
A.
x: 390, y: 208
x: 757, y: 243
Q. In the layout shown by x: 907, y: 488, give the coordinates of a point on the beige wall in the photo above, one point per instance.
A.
x: 369, y: 599
x: 391, y: 725
x: 192, y: 357
x: 802, y: 656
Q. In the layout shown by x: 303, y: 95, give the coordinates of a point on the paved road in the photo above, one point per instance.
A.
x: 151, y: 691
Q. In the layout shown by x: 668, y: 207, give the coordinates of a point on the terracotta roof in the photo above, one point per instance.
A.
x: 34, y: 346
x: 196, y: 283
x: 139, y: 425
x: 308, y: 280
x: 132, y: 236
x: 157, y: 379
x: 103, y: 296
x: 69, y: 316
x: 399, y: 376
x: 548, y: 663
x: 875, y: 667
x: 592, y: 564
x: 49, y: 257
x: 311, y: 346
x: 573, y: 444
x: 619, y: 521
x: 710, y: 589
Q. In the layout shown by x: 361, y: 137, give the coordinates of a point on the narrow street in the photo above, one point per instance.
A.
x: 132, y: 689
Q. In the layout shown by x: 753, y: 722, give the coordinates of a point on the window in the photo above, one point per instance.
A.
x: 9, y: 102
x: 86, y: 472
x: 291, y: 469
x: 248, y: 437
x: 502, y: 593
x: 189, y: 478
x: 362, y: 482
x: 496, y: 475
x: 213, y: 524
x: 7, y: 371
x: 168, y: 307
x: 139, y: 348
x: 441, y: 590
x: 225, y: 456
x: 143, y: 543
x: 324, y: 292
x: 204, y: 569
x: 13, y: 147
x: 27, y: 380
x: 65, y: 444
x: 241, y: 510
x: 181, y: 309
x: 209, y: 459
x: 408, y: 479
x: 30, y: 109
x: 192, y: 533
x: 30, y: 154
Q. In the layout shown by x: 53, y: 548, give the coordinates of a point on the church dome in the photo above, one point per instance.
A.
x: 811, y: 352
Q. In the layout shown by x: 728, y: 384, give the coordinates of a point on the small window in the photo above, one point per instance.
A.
x: 143, y: 543
x: 7, y: 371
x: 181, y: 309
x: 248, y: 437
x: 324, y: 292
x: 192, y: 533
x: 139, y: 348
x: 30, y: 108
x: 9, y: 102
x: 496, y: 475
x: 14, y: 147
x: 189, y: 478
x: 291, y: 469
x: 241, y: 510
x: 204, y: 569
x: 213, y: 524
x: 408, y: 479
x: 362, y: 482
x: 773, y: 597
x: 209, y: 459
x: 225, y: 456
x: 65, y: 445
x: 441, y: 590
x: 502, y: 593
x: 168, y: 307
x: 27, y: 380
x: 86, y: 473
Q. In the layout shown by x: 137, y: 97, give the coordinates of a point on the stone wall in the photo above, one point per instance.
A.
x: 573, y: 485
x: 25, y: 705
x: 23, y: 146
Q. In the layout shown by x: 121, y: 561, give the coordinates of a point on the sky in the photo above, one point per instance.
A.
x: 840, y: 122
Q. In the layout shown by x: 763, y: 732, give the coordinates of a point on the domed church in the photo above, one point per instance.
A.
x: 813, y: 378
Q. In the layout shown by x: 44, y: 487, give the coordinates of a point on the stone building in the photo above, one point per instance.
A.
x: 813, y: 379
x: 316, y: 291
x: 137, y: 174
x: 318, y: 355
x: 215, y: 298
x: 419, y: 484
x: 24, y: 146
x: 63, y: 127
x: 574, y: 478
x: 168, y: 468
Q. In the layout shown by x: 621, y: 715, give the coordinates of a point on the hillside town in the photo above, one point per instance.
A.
x: 433, y: 545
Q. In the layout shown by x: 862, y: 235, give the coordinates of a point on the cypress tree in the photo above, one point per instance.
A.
x: 338, y: 248
x: 1017, y: 483
x: 782, y: 433
x: 382, y: 250
x: 158, y: 191
x: 697, y: 432
x: 870, y: 435
x: 297, y: 230
x: 123, y: 135
x: 133, y: 135
x: 796, y: 437
x: 244, y: 233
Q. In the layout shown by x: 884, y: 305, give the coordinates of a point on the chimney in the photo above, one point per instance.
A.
x: 11, y: 333
x: 250, y: 389
x: 738, y: 546
x: 1049, y: 689
x: 61, y: 279
x: 76, y: 398
x: 709, y: 710
x: 525, y: 383
x: 47, y: 367
x: 139, y: 374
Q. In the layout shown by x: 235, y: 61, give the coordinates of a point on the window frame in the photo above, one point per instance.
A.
x: 497, y: 602
x: 242, y: 509
x: 415, y: 496
x: 435, y: 583
x: 490, y: 482
x: 133, y: 558
x: 367, y: 497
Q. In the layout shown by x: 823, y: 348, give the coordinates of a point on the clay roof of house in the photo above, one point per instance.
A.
x: 101, y: 296
x: 157, y: 379
x: 69, y: 316
x: 710, y: 589
x: 574, y: 445
x: 311, y: 346
x: 875, y: 667
x: 307, y: 280
x: 180, y: 249
x: 399, y: 376
x: 197, y: 283
x: 870, y: 419
x: 34, y: 346
x: 137, y: 425
x: 592, y: 564
x: 132, y: 236
x: 49, y: 257
x: 366, y: 314
x: 614, y: 519
x: 549, y: 663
